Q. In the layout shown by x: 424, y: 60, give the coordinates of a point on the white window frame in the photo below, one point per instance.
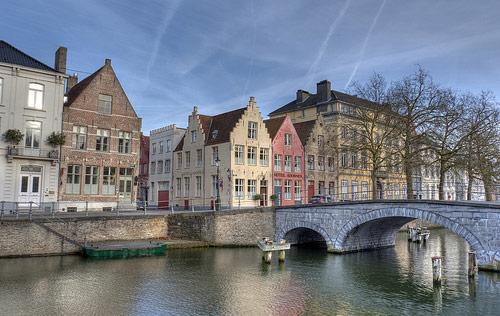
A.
x: 277, y: 162
x: 33, y: 134
x: 298, y: 164
x: 251, y: 188
x: 73, y: 179
x: 168, y: 166
x: 298, y: 190
x: 104, y: 104
x: 288, y: 139
x: 198, y: 186
x: 264, y: 157
x: 187, y: 185
x: 109, y: 181
x: 91, y: 188
x: 102, y: 142
x: 199, y: 157
x: 35, y: 95
x: 252, y: 129
x: 288, y: 163
x: 239, y: 154
x: 124, y: 142
x: 239, y: 188
x: 287, y: 191
x: 187, y: 159
x: 252, y: 155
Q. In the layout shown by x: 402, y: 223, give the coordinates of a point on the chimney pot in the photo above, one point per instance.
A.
x: 107, y: 61
x: 60, y: 59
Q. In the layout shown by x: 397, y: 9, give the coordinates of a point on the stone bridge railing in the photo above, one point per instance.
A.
x: 355, y: 226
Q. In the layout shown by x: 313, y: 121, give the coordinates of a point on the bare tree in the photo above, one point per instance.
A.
x: 374, y: 130
x: 415, y: 98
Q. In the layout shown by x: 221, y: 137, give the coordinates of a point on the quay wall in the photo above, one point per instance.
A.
x: 42, y: 237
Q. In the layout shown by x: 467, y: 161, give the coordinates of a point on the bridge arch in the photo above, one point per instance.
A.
x: 307, y: 225
x: 377, y: 228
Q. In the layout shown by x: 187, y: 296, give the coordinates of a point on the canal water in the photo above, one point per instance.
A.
x: 233, y: 281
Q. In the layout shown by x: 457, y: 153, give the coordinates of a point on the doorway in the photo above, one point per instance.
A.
x: 30, y: 182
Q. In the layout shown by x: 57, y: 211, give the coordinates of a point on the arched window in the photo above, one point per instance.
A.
x: 35, y: 96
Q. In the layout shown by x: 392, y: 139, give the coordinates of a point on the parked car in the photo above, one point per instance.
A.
x: 320, y: 199
x: 140, y: 205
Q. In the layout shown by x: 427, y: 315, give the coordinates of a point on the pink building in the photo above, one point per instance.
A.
x: 287, y: 163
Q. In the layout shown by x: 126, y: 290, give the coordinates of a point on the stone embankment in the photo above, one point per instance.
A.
x: 42, y: 237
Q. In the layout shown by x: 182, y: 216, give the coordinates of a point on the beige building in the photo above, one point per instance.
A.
x: 239, y: 143
x: 325, y: 122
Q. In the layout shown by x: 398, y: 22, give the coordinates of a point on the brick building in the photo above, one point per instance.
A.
x: 287, y: 163
x: 142, y: 191
x: 100, y: 160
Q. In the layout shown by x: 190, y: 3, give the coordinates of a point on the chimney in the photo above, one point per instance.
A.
x: 107, y: 61
x: 195, y: 110
x: 323, y: 89
x: 251, y: 102
x: 302, y: 95
x: 72, y: 81
x: 60, y: 60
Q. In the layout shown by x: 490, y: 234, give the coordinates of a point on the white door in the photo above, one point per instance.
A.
x: 29, y: 189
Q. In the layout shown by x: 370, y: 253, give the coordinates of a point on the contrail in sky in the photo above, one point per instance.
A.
x: 363, y: 48
x: 161, y: 31
x: 324, y: 45
x: 252, y: 61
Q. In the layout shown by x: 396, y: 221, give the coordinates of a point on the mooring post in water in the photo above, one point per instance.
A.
x: 472, y: 264
x: 436, y: 270
x: 281, y: 256
x: 267, y: 256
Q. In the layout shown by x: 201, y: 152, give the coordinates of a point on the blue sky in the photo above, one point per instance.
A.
x: 172, y: 55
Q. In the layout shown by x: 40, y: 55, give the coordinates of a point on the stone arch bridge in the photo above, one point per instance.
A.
x: 356, y: 226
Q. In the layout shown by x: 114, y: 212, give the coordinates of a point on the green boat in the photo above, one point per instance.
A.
x: 124, y: 250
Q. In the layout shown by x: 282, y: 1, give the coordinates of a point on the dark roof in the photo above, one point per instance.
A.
x: 11, y: 55
x: 180, y: 144
x: 223, y: 123
x: 205, y: 121
x: 312, y: 100
x: 74, y: 92
x: 273, y: 125
x: 304, y: 129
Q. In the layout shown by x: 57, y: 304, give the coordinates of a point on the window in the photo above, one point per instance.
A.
x: 169, y: 145
x: 252, y: 130
x: 364, y: 160
x: 161, y: 148
x: 264, y: 157
x: 79, y: 137
x: 345, y: 189
x: 104, y: 104
x: 198, y: 186
x: 167, y: 166
x: 102, y: 140
x: 153, y: 148
x: 194, y: 136
x: 35, y: 96
x: 251, y: 188
x: 238, y: 187
x: 33, y: 134
x: 331, y: 188
x: 178, y: 187
x: 343, y: 132
x: 298, y: 190
x: 288, y: 139
x: 124, y: 142
x: 215, y: 154
x: 252, y: 155
x: 153, y: 167
x: 321, y: 163
x: 364, y: 190
x: 288, y: 163
x: 239, y: 154
x: 187, y: 159
x: 91, y: 179
x: 321, y: 141
x: 179, y: 160
x: 354, y: 190
x: 199, y: 157
x: 73, y: 179
x: 298, y: 164
x: 354, y: 163
x: 109, y: 181
x: 331, y: 164
x: 310, y: 162
x: 159, y: 165
x: 186, y: 186
x: 1, y: 89
x: 277, y: 162
x: 343, y: 160
x: 321, y: 187
x: 288, y: 190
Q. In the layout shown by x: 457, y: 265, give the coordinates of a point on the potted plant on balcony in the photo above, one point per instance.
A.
x: 55, y: 139
x: 14, y: 137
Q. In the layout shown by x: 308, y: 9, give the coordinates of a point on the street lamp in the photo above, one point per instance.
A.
x: 217, y: 199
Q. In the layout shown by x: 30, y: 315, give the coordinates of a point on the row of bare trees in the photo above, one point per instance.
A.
x: 417, y: 116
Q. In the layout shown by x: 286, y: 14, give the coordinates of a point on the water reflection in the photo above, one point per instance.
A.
x: 235, y: 282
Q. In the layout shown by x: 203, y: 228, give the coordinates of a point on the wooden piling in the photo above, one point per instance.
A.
x: 281, y: 256
x: 472, y: 268
x: 436, y: 270
x: 267, y: 256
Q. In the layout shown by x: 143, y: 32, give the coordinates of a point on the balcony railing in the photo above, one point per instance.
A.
x: 32, y: 153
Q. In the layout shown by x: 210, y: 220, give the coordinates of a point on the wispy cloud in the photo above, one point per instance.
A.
x: 365, y: 43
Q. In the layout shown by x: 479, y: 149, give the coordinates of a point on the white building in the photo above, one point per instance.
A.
x: 31, y: 101
x: 162, y: 142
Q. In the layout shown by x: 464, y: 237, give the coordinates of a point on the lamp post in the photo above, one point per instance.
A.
x: 217, y: 199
